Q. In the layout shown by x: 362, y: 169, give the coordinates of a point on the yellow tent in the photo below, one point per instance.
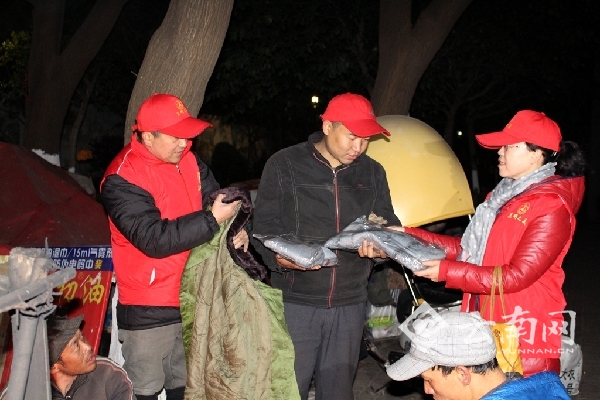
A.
x: 427, y: 183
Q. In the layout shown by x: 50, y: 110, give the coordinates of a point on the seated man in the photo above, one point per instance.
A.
x: 75, y: 371
x: 455, y: 354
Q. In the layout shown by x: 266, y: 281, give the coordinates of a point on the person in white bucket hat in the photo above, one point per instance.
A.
x: 455, y: 354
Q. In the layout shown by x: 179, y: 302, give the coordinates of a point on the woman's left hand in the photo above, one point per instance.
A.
x: 432, y: 272
x: 241, y: 239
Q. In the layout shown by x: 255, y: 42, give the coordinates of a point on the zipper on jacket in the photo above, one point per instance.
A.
x: 290, y: 275
x: 337, y: 221
x: 337, y: 230
x: 186, y: 188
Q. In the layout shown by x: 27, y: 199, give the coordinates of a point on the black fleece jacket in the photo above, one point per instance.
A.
x: 301, y: 194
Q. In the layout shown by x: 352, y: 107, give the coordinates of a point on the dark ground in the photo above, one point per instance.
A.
x: 582, y: 290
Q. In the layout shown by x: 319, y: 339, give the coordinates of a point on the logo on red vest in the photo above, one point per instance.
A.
x: 524, y: 208
x: 520, y: 214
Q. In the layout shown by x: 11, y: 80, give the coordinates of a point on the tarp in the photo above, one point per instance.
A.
x: 427, y: 182
x: 39, y: 200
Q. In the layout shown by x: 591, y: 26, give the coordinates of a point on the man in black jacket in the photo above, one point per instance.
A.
x: 314, y: 190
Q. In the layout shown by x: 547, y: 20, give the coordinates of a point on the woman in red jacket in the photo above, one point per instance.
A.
x: 525, y: 225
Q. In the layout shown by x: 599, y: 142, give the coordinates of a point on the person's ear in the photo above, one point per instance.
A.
x: 327, y: 127
x: 147, y: 138
x: 464, y: 375
x: 536, y: 156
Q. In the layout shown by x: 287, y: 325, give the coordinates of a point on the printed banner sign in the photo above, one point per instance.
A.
x: 89, y: 291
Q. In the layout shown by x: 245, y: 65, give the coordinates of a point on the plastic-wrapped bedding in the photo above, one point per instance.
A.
x: 399, y: 246
x: 305, y: 255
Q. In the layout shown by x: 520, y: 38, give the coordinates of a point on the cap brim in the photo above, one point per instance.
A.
x: 365, y: 127
x: 186, y: 129
x: 408, y: 367
x: 495, y: 140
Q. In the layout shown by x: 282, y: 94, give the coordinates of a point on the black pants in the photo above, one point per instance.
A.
x: 327, y: 344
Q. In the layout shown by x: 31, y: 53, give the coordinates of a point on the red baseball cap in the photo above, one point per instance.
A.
x: 356, y: 113
x: 167, y: 114
x: 526, y: 126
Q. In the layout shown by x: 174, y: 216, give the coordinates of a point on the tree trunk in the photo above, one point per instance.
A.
x: 54, y: 75
x: 74, y: 131
x: 406, y: 50
x: 182, y: 54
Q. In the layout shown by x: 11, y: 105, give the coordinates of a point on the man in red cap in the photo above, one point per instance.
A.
x: 155, y: 192
x: 314, y: 190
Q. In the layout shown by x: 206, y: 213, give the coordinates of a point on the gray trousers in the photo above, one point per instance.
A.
x: 327, y: 345
x: 154, y: 358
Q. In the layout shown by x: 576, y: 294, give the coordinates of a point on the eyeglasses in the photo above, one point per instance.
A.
x: 510, y: 146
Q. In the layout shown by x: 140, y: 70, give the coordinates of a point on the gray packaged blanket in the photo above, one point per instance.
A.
x: 305, y: 255
x: 399, y: 246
